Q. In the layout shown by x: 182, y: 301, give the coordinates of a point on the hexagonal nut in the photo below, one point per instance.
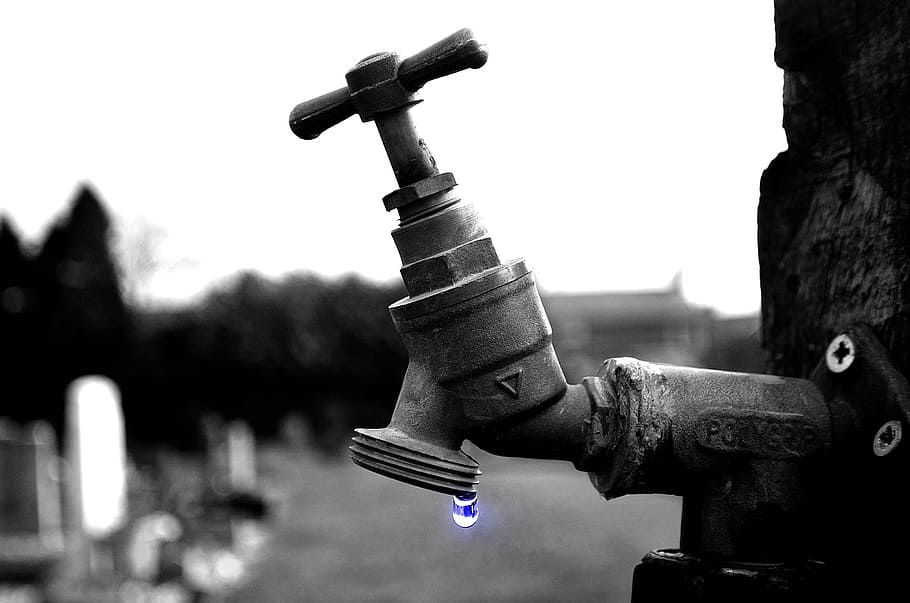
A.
x: 419, y: 190
x: 449, y: 267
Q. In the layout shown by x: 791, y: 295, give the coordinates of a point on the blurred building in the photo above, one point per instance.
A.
x: 657, y: 326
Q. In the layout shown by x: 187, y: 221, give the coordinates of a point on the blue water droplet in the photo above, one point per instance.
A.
x: 464, y: 509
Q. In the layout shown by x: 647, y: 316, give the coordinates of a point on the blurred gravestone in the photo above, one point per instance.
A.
x: 295, y: 431
x: 241, y: 449
x: 233, y: 493
x: 223, y: 537
x: 149, y: 535
x: 31, y: 538
x: 231, y: 456
x: 96, y: 455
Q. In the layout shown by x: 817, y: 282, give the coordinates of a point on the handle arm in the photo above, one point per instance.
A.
x: 455, y: 53
x: 311, y: 118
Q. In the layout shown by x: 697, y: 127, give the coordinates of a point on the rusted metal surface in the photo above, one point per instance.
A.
x: 732, y: 445
x: 697, y: 419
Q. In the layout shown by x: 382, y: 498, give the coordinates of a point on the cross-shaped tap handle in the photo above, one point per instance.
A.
x: 382, y: 82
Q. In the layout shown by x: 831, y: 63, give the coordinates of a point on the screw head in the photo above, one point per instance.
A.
x: 840, y: 354
x: 886, y: 438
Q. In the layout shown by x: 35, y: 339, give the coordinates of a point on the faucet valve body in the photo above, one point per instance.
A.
x: 477, y: 337
x: 480, y: 353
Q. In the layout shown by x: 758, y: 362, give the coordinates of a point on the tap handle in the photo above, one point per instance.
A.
x: 311, y: 118
x: 455, y: 53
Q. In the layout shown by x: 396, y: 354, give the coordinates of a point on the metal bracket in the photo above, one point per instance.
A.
x: 856, y: 494
x: 868, y: 398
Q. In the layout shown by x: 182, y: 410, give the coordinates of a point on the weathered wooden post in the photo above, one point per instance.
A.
x: 834, y: 237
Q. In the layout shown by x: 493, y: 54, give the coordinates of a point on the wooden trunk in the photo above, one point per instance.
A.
x: 835, y: 206
x: 833, y: 226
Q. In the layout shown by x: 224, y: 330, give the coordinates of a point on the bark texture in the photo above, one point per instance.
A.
x: 834, y: 212
x: 833, y: 225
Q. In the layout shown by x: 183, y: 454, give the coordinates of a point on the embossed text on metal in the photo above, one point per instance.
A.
x: 776, y: 435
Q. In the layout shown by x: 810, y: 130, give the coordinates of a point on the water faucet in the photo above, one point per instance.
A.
x: 750, y: 454
x: 482, y: 366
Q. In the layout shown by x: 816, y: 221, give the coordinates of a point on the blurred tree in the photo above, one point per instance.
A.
x: 20, y: 318
x: 86, y: 319
x: 261, y: 349
x: 61, y: 313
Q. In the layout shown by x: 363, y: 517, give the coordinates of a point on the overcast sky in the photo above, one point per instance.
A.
x: 611, y: 144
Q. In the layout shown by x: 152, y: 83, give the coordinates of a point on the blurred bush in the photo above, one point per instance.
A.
x: 263, y: 350
x: 257, y: 349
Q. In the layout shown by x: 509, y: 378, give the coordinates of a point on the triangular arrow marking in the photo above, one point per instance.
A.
x: 511, y: 383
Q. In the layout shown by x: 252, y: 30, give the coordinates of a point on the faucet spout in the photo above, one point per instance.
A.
x: 482, y: 367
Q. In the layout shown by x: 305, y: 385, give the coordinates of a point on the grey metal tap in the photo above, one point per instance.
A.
x: 751, y: 455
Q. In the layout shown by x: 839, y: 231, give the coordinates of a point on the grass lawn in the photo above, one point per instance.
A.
x: 544, y: 534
